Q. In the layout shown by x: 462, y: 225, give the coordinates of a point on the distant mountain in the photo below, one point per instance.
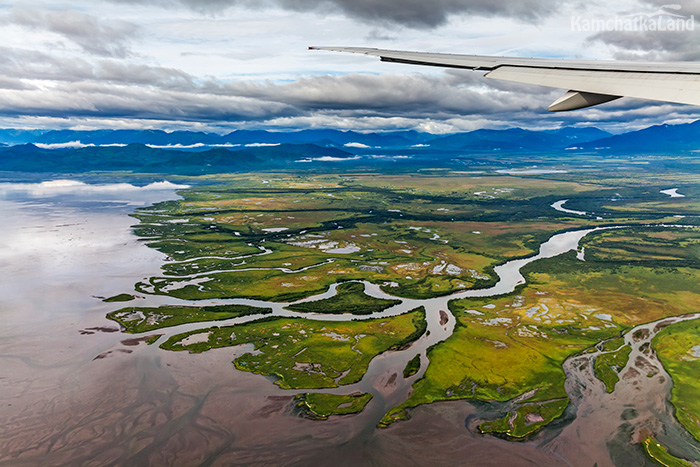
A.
x: 190, y: 138
x: 580, y: 135
x: 141, y: 158
x: 504, y: 140
x: 103, y: 137
x: 660, y: 139
x: 11, y: 137
x: 335, y: 137
x: 518, y: 139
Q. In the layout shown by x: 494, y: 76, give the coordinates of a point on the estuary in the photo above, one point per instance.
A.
x: 75, y: 389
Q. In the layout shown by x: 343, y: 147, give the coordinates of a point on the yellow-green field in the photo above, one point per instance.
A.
x: 514, y: 346
x: 410, y: 233
x: 678, y: 348
x: 321, y: 406
x: 506, y: 347
x: 307, y: 354
x: 282, y: 237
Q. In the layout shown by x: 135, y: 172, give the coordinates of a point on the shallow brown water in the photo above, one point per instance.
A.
x: 160, y: 408
x: 73, y: 392
x: 607, y: 426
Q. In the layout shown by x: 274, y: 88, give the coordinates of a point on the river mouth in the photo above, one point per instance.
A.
x: 80, y: 392
x: 638, y: 407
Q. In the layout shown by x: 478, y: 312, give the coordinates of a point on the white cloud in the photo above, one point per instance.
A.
x: 68, y: 145
x: 101, y: 64
x: 89, y: 33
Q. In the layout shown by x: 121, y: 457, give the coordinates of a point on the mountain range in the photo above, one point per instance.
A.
x: 143, y: 159
x: 192, y: 153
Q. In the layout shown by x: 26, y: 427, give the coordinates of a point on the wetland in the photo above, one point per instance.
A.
x: 368, y: 316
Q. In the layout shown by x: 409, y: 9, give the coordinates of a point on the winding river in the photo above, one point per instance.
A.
x: 138, y: 404
x: 389, y: 365
x: 638, y: 403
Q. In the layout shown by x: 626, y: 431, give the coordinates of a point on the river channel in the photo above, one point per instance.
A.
x: 138, y: 404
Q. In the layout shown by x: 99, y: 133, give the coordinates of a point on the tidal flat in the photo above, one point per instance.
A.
x: 486, y: 367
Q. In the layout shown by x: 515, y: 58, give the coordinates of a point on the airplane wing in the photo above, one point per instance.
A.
x: 590, y: 82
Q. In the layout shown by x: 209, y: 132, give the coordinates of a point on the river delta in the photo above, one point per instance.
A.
x: 494, y: 319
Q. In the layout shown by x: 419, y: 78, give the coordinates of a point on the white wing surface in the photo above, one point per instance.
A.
x: 591, y: 82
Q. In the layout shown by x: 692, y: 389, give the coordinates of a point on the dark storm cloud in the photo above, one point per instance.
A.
x: 112, y: 88
x: 39, y: 84
x: 391, y: 94
x: 411, y: 13
x: 89, y: 99
x: 91, y: 34
x: 80, y: 87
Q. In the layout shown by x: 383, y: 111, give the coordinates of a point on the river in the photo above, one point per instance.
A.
x: 137, y: 404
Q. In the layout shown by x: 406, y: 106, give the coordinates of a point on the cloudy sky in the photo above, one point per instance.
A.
x: 217, y: 65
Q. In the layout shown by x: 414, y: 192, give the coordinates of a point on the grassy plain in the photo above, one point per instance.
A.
x: 304, y: 353
x: 613, y: 344
x: 282, y: 237
x: 142, y: 319
x: 350, y: 298
x: 507, y: 347
x: 514, y: 346
x: 678, y: 348
x: 292, y: 237
x: 412, y: 367
x: 660, y: 455
x: 607, y: 366
x: 321, y: 406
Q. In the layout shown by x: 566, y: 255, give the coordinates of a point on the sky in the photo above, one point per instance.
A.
x: 220, y: 65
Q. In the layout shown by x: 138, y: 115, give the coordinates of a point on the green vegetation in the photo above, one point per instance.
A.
x: 294, y: 236
x: 646, y: 246
x: 660, y: 455
x: 412, y: 367
x: 140, y: 319
x: 284, y: 237
x: 607, y: 366
x: 304, y: 353
x: 122, y: 297
x: 350, y: 298
x: 498, y: 426
x: 613, y: 344
x: 678, y: 349
x: 321, y: 406
x: 505, y: 347
x: 632, y: 293
x: 153, y: 339
x: 527, y: 419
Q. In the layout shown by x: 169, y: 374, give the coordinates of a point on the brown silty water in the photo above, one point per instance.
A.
x: 72, y: 391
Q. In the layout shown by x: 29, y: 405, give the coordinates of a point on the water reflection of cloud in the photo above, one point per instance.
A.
x: 59, y: 245
x: 64, y: 187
